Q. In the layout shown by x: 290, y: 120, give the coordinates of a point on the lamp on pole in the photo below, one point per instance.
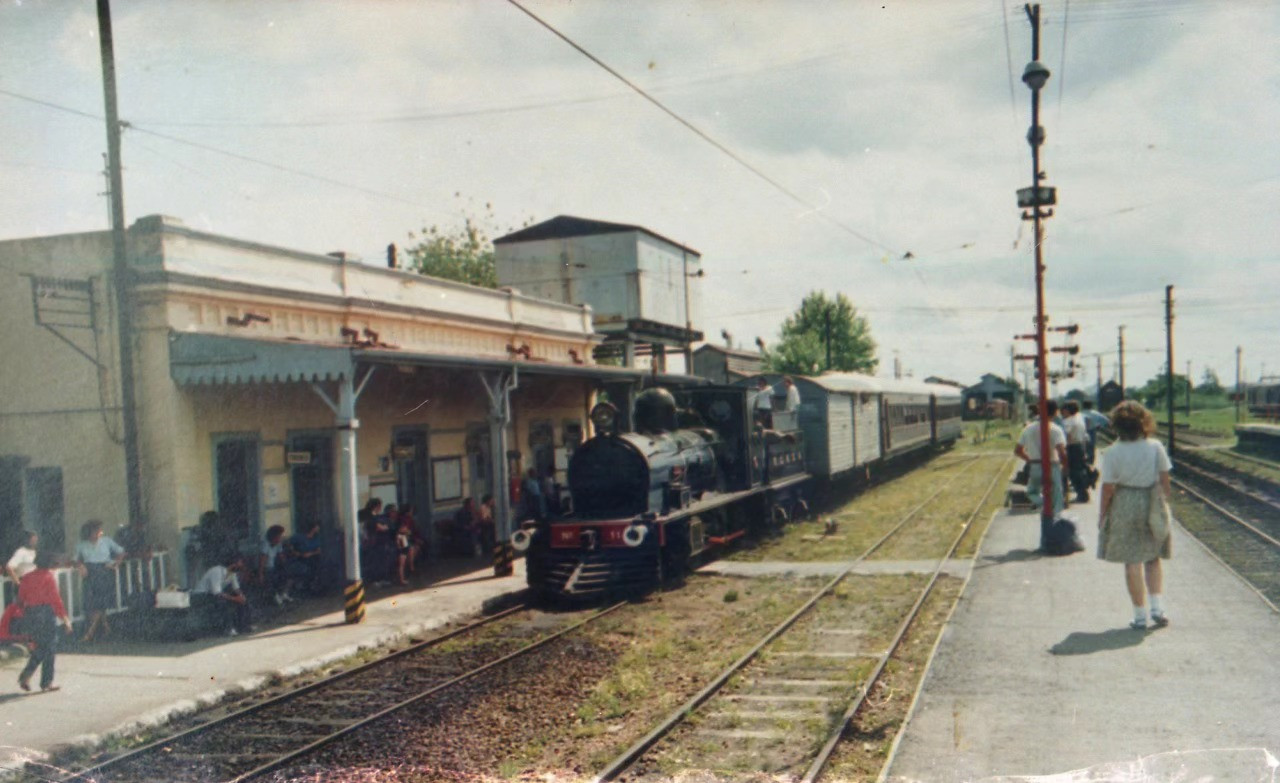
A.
x: 1036, y: 202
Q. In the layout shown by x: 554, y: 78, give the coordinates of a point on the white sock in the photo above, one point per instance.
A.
x: 1140, y: 613
x: 1157, y: 604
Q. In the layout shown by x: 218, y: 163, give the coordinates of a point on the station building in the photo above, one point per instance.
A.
x: 272, y: 386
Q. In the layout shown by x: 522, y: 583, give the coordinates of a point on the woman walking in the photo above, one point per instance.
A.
x: 1135, y: 475
x: 42, y: 611
x: 98, y: 556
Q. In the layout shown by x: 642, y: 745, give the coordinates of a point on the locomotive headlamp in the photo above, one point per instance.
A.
x: 634, y: 535
x: 521, y: 539
x: 604, y: 417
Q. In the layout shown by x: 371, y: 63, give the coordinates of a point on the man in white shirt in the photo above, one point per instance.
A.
x: 1077, y: 447
x: 762, y: 406
x: 218, y: 596
x: 1028, y: 448
x: 793, y: 394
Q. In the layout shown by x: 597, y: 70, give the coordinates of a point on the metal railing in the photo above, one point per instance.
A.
x: 134, y: 575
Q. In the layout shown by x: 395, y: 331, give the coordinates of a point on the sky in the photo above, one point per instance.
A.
x: 865, y: 148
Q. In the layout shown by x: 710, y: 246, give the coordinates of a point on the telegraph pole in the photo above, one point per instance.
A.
x: 1098, y: 397
x: 1239, y: 391
x: 1188, y: 392
x: 1122, y: 386
x: 1036, y: 202
x: 1168, y: 341
x: 120, y: 266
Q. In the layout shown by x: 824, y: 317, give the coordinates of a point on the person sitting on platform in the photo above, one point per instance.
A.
x: 461, y: 532
x: 218, y: 598
x: 303, y: 559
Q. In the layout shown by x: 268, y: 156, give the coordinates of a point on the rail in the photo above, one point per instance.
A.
x: 619, y: 766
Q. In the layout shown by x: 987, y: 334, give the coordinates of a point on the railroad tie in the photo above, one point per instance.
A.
x: 766, y: 715
x: 740, y: 734
x: 777, y: 699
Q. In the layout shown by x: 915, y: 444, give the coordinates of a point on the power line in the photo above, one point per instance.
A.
x: 219, y: 151
x: 1062, y: 65
x: 1008, y: 54
x: 702, y: 134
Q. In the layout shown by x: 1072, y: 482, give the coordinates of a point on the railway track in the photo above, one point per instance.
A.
x: 251, y: 742
x: 1241, y: 523
x: 814, y: 670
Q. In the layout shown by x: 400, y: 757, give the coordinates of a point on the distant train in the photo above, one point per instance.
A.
x: 699, y: 470
x: 1263, y: 398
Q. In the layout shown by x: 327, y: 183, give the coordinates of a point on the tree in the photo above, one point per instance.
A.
x: 1155, y: 394
x: 822, y: 322
x: 463, y: 253
x: 1209, y: 383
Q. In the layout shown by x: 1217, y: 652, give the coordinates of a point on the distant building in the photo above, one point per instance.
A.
x: 977, y: 399
x: 726, y: 365
x: 944, y: 381
x: 642, y: 287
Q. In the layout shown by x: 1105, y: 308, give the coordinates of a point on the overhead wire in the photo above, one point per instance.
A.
x: 219, y: 151
x: 703, y: 135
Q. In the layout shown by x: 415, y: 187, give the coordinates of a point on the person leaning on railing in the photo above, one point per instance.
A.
x: 98, y: 557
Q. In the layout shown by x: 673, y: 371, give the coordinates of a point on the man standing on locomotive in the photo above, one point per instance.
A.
x: 793, y: 394
x: 762, y: 406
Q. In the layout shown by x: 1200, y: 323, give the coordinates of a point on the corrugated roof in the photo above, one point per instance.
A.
x: 566, y: 226
x: 210, y: 359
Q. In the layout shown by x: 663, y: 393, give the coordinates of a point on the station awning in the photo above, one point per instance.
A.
x: 210, y: 359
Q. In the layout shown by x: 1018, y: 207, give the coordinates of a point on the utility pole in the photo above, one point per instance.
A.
x: 1188, y: 392
x: 1239, y: 391
x: 1036, y: 202
x: 1168, y: 342
x: 1122, y: 386
x: 1098, y: 397
x: 120, y: 267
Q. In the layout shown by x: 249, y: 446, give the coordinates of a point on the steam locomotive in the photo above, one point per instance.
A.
x: 699, y: 470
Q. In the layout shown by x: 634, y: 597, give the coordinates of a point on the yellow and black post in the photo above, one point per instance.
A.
x: 503, y: 559
x: 353, y: 601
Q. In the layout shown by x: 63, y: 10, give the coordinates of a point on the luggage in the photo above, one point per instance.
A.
x: 1063, y: 539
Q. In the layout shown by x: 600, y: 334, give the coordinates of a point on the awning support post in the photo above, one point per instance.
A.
x: 499, y: 387
x: 348, y: 498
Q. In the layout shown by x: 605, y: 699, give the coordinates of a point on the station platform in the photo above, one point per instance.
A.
x: 117, y: 685
x: 1037, y: 676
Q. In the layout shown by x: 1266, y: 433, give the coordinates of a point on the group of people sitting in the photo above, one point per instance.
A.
x: 284, y: 565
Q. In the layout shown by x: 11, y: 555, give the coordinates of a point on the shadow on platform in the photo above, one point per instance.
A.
x: 1012, y: 556
x: 1086, y: 642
